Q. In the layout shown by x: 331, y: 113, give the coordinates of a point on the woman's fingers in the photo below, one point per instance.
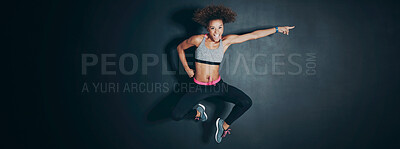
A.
x: 285, y: 29
x: 190, y: 73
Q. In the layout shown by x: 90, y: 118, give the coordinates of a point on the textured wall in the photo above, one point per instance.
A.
x: 348, y: 103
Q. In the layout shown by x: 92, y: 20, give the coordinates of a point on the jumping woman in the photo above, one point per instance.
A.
x: 208, y: 55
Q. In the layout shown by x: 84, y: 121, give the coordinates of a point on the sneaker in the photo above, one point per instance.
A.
x: 202, y: 109
x: 220, y: 133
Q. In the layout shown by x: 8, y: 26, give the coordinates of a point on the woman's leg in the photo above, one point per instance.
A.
x: 184, y: 108
x: 240, y: 99
x: 242, y: 104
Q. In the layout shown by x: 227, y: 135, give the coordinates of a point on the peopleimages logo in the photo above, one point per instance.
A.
x: 305, y: 64
x: 280, y: 64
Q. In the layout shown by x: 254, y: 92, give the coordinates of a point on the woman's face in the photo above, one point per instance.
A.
x: 215, y: 29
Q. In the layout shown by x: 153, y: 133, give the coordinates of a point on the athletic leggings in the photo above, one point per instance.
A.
x: 226, y: 92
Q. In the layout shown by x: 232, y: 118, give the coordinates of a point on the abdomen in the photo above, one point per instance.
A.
x: 204, y: 71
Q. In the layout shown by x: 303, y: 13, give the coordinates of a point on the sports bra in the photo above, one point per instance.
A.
x: 209, y: 56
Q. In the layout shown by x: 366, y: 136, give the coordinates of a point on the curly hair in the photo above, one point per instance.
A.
x: 212, y: 12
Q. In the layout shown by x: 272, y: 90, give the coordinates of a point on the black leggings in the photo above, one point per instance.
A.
x: 226, y: 92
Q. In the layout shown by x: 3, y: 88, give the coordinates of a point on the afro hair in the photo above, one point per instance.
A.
x: 212, y: 12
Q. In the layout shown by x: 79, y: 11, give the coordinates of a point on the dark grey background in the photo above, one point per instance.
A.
x: 350, y: 103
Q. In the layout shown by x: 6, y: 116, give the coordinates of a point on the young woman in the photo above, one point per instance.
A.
x: 208, y: 55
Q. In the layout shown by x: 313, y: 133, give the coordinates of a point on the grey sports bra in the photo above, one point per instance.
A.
x: 209, y: 56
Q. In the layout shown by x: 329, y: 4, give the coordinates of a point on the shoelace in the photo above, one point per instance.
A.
x: 228, y: 131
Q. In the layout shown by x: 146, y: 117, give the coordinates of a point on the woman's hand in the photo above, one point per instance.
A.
x: 190, y: 72
x: 285, y: 29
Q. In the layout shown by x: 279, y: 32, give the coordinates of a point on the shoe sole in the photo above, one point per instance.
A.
x: 205, y: 114
x: 216, y: 133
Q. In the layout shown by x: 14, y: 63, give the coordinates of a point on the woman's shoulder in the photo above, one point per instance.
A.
x: 196, y: 39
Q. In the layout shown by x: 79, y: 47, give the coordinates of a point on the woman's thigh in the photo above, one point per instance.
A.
x: 235, y: 95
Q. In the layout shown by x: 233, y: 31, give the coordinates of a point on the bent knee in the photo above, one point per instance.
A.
x: 247, y: 103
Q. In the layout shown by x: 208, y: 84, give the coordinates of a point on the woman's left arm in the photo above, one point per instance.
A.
x: 234, y: 39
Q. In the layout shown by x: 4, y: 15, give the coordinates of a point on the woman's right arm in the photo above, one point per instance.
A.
x: 192, y: 41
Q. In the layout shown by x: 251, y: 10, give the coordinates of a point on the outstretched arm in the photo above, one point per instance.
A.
x: 234, y: 39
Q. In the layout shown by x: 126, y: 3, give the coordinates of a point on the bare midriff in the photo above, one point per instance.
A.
x: 204, y: 71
